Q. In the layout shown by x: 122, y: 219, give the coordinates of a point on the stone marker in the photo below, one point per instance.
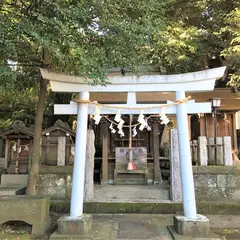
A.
x: 211, y: 153
x: 61, y: 151
x: 219, y: 157
x: 176, y: 184
x: 227, y: 151
x: 202, y: 151
x: 89, y: 167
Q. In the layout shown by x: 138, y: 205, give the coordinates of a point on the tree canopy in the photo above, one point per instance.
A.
x: 89, y: 37
x: 82, y: 37
x: 77, y: 37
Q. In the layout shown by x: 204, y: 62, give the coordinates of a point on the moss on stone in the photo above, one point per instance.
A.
x: 214, y: 170
x: 44, y: 169
x: 203, y: 207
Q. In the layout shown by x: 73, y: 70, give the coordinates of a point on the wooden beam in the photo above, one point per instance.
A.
x: 105, y: 147
x: 157, y: 170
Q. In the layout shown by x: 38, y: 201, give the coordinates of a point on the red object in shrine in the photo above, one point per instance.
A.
x: 131, y: 165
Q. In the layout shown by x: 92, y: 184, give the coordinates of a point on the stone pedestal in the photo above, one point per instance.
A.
x: 198, y: 226
x: 74, y: 225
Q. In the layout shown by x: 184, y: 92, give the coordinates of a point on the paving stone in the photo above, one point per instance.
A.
x: 134, y: 230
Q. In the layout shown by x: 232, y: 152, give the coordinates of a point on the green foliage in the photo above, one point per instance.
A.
x: 82, y: 37
x: 88, y: 37
x: 232, y: 52
x: 77, y: 37
x: 176, y: 48
x: 201, y: 34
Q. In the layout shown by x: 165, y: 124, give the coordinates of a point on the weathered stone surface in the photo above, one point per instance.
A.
x: 198, y: 226
x: 226, y: 181
x: 12, y: 190
x: 211, y: 152
x: 14, y: 179
x: 2, y: 163
x: 54, y: 180
x: 214, y: 169
x: 69, y: 186
x: 33, y: 210
x: 53, y: 191
x: 219, y: 157
x: 61, y: 151
x: 78, y: 225
x: 176, y: 236
x: 202, y: 151
x: 175, y: 175
x: 205, y: 180
x: 89, y: 167
x: 44, y: 169
x: 214, y: 182
x: 214, y: 194
x: 227, y: 151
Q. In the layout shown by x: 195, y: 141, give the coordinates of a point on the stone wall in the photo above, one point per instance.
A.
x: 55, y: 181
x: 214, y: 182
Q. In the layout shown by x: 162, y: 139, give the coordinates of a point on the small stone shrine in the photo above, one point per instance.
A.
x: 18, y: 144
x: 58, y: 144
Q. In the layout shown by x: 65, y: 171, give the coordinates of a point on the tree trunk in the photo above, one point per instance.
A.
x: 36, y: 148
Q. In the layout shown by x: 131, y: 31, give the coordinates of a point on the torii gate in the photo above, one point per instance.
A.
x: 196, y: 81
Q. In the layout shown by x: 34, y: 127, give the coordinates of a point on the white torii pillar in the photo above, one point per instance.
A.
x: 197, y: 81
x: 76, y: 208
x: 188, y: 191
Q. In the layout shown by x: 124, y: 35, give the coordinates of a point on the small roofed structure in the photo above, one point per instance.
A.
x: 58, y: 145
x: 18, y: 144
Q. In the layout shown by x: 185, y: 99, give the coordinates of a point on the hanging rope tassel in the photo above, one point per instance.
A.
x: 131, y: 165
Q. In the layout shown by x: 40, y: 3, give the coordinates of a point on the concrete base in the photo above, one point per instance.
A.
x: 198, y: 226
x: 74, y: 226
x: 176, y: 236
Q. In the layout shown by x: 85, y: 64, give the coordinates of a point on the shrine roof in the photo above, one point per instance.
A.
x: 18, y: 130
x: 59, y: 125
